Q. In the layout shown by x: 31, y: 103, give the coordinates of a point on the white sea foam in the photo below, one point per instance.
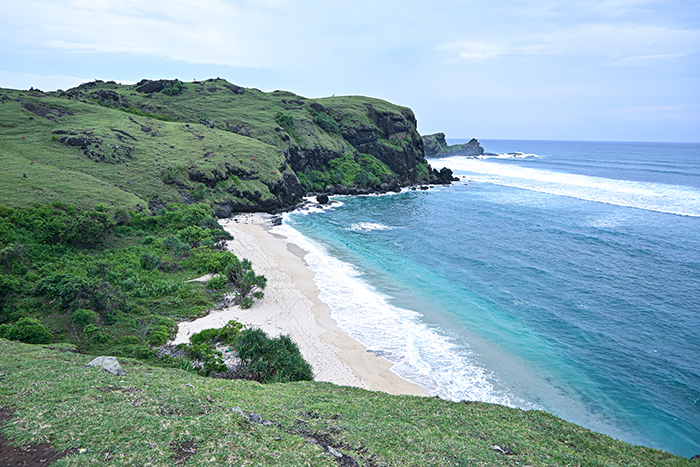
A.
x: 642, y: 195
x: 421, y: 353
x: 369, y: 226
x: 506, y: 155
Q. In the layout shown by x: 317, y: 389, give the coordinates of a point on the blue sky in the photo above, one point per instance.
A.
x: 620, y: 70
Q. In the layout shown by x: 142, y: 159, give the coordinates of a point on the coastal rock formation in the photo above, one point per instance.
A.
x: 436, y: 146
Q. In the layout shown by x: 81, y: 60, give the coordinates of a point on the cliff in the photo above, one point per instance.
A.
x: 156, y: 142
x: 436, y: 146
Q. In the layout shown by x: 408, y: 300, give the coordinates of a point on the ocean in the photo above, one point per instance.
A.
x: 566, y: 280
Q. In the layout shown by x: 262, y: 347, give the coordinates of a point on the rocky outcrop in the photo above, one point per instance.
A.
x: 286, y: 194
x: 436, y: 146
x: 109, y: 364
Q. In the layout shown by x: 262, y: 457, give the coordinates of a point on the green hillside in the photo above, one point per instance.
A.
x: 167, y: 417
x: 236, y: 149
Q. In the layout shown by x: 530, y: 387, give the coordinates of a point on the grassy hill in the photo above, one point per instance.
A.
x: 154, y: 416
x: 234, y: 148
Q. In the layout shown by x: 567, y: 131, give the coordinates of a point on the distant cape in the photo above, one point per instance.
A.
x: 436, y: 146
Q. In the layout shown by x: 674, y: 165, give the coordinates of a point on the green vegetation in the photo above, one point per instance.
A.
x: 173, y: 89
x: 364, y: 171
x: 210, y: 142
x: 113, y: 283
x: 152, y: 413
x: 269, y: 360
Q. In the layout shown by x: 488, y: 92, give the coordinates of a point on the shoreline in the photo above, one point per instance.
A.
x: 292, y: 306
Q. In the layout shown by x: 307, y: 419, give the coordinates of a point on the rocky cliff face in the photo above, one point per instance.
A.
x: 436, y: 146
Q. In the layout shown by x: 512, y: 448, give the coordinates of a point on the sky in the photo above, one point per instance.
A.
x: 616, y: 70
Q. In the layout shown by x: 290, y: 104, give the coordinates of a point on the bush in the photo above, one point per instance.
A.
x: 268, y: 360
x: 149, y: 262
x: 158, y: 335
x: 326, y: 122
x: 176, y: 245
x: 364, y: 179
x: 225, y: 335
x: 193, y: 235
x: 216, y: 283
x: 207, y: 359
x: 29, y: 331
x: 83, y: 317
x: 248, y: 285
x: 89, y: 229
x: 173, y: 88
x: 284, y: 120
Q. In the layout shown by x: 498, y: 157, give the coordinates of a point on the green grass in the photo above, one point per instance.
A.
x: 165, y: 132
x: 136, y: 419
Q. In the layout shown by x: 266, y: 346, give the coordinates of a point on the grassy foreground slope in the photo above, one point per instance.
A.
x: 144, y: 418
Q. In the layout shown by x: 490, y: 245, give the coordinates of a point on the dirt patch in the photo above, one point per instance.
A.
x: 35, y: 455
x: 182, y: 451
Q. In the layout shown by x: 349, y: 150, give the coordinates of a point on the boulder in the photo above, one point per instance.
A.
x: 322, y: 199
x: 109, y: 364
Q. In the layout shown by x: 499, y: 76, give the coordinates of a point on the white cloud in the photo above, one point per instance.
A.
x: 16, y: 80
x: 611, y: 43
x: 206, y: 31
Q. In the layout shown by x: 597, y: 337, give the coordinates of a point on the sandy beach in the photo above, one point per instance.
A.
x: 291, y: 306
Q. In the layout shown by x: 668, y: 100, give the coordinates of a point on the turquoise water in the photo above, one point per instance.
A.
x: 568, y: 282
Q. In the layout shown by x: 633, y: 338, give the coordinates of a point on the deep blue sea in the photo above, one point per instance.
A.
x: 567, y: 281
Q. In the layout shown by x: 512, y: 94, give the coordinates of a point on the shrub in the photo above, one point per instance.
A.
x: 89, y: 229
x: 95, y: 334
x: 176, y: 245
x: 364, y: 179
x: 83, y: 317
x: 284, y: 120
x: 193, y: 235
x: 248, y: 285
x: 326, y: 122
x: 149, y: 261
x: 29, y: 331
x: 173, y: 88
x: 268, y: 360
x: 207, y: 359
x: 158, y: 335
x: 216, y: 283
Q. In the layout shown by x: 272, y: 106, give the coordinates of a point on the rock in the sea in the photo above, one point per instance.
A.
x: 109, y: 364
x: 322, y: 199
x: 436, y: 146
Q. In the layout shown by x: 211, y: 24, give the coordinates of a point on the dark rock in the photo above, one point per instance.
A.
x: 235, y: 89
x: 148, y: 87
x: 239, y: 129
x: 443, y: 177
x: 156, y: 205
x: 110, y: 98
x: 317, y: 107
x: 45, y: 112
x: 254, y: 418
x: 322, y: 199
x: 124, y: 133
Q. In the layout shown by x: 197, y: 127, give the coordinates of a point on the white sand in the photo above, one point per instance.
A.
x: 291, y: 306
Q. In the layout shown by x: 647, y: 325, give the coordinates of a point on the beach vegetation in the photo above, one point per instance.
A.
x: 271, y: 360
x: 113, y: 281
